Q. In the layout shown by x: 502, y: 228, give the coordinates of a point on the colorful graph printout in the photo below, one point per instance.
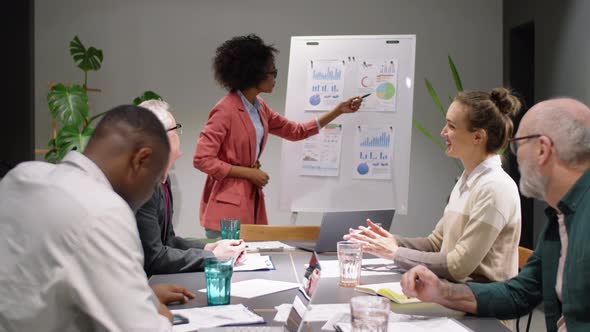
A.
x: 325, y: 81
x: 373, y: 152
x: 379, y: 78
x: 321, y: 153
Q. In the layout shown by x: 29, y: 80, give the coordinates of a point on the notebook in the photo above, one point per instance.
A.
x: 390, y: 290
x: 336, y: 224
x: 402, y: 304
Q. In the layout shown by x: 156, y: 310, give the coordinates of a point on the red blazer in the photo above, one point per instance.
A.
x: 229, y: 138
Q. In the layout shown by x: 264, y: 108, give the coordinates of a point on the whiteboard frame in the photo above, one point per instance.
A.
x: 343, y: 193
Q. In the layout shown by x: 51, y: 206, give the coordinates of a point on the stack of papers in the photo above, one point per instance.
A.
x: 257, y: 287
x: 416, y: 325
x: 370, y: 267
x: 255, y: 262
x: 200, y: 318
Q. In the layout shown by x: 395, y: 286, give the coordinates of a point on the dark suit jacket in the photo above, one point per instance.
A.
x: 165, y: 252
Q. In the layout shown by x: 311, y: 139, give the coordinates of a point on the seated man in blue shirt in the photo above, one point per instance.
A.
x: 164, y: 251
x: 553, y: 150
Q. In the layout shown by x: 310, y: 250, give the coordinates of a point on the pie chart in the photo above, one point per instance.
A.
x: 362, y: 168
x: 385, y: 91
x: 315, y: 99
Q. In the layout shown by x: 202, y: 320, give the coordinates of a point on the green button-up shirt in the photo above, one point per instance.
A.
x: 536, y: 281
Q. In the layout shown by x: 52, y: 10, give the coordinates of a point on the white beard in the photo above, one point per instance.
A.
x: 532, y: 182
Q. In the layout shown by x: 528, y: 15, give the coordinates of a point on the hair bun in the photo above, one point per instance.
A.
x: 507, y: 103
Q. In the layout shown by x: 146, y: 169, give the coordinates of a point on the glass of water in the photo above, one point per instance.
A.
x: 350, y: 258
x: 369, y: 313
x: 218, y: 273
x: 230, y: 229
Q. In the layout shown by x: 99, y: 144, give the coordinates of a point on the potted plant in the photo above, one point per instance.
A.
x: 68, y: 105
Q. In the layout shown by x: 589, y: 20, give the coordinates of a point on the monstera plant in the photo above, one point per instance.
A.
x: 441, y: 110
x: 68, y: 105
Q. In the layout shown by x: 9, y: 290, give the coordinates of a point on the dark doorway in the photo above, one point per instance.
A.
x: 522, y: 80
x: 17, y: 125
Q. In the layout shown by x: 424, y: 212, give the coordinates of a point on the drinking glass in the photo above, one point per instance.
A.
x: 350, y: 258
x: 230, y: 229
x: 218, y: 273
x: 369, y: 313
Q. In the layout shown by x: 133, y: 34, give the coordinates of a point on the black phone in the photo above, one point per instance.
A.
x: 179, y: 319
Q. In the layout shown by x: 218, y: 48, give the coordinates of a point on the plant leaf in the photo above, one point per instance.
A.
x: 70, y: 138
x: 456, y: 77
x: 86, y: 59
x: 435, y: 98
x: 436, y: 141
x: 68, y: 104
x: 51, y: 156
x: 147, y: 95
x: 428, y: 134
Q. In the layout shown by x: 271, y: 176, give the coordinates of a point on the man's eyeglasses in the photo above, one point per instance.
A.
x: 274, y: 73
x: 514, y: 144
x: 178, y: 128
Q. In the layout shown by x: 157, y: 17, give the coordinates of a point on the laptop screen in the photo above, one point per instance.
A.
x: 336, y: 224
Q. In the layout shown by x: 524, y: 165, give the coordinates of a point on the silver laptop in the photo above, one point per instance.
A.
x: 336, y: 224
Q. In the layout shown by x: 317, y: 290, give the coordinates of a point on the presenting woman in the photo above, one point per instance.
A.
x: 234, y: 137
x: 477, y: 236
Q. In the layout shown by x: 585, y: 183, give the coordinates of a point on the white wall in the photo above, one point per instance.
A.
x: 167, y: 46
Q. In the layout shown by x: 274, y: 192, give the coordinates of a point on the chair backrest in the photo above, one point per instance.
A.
x: 279, y: 232
x: 523, y: 256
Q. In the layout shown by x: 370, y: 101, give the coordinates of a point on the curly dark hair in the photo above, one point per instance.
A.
x: 242, y: 62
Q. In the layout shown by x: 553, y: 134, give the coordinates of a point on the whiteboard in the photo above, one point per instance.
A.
x: 347, y: 192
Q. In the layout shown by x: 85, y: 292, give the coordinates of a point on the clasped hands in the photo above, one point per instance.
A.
x: 235, y: 249
x: 374, y: 240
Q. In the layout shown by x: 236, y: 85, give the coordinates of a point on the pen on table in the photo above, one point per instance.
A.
x: 365, y: 96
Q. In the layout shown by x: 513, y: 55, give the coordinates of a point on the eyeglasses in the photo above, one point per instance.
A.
x: 274, y: 73
x: 178, y: 128
x: 514, y: 144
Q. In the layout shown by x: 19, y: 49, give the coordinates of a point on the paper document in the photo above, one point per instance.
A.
x: 416, y: 325
x: 261, y: 246
x: 257, y: 287
x: 255, y: 262
x: 325, y: 83
x: 323, y: 312
x: 321, y: 152
x: 204, y: 317
x: 379, y: 78
x: 373, y: 152
x: 370, y: 267
x: 283, y: 311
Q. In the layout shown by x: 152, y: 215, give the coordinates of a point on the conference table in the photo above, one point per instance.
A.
x: 290, y: 267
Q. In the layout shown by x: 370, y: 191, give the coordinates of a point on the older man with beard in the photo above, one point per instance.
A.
x: 553, y: 150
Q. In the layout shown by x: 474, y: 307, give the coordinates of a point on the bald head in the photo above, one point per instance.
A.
x: 130, y: 146
x: 567, y: 122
